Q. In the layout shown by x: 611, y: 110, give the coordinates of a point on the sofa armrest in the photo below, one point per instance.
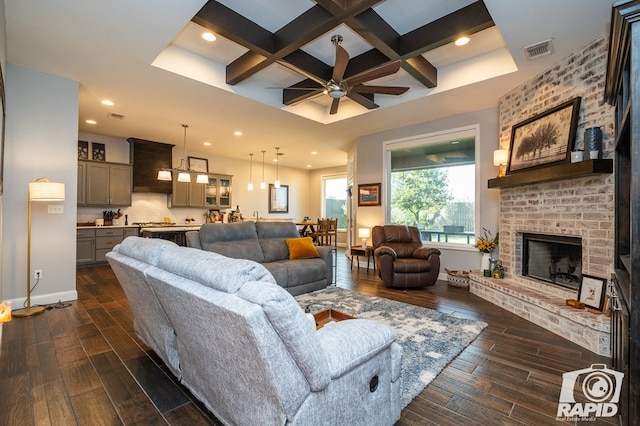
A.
x: 382, y: 250
x: 425, y: 252
x: 348, y: 344
x: 193, y: 239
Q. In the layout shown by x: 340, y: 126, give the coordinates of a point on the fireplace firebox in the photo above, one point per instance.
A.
x: 556, y: 259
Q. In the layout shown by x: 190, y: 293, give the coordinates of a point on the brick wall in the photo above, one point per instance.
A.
x: 582, y: 207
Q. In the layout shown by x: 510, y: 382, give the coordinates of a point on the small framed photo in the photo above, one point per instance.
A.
x: 98, y: 152
x: 369, y: 194
x: 592, y: 291
x: 199, y: 165
x: 83, y: 150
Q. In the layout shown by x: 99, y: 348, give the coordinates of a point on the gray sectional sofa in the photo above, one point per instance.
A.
x: 243, y: 346
x: 263, y: 242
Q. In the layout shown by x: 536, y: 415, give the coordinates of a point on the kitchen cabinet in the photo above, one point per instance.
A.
x: 92, y: 244
x: 218, y: 192
x: 105, y: 184
x: 187, y: 194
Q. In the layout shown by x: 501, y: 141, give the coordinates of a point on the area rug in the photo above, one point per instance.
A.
x: 430, y: 340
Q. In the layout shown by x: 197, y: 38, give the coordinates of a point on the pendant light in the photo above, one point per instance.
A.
x: 250, y: 185
x: 263, y: 184
x: 276, y: 184
x: 184, y: 174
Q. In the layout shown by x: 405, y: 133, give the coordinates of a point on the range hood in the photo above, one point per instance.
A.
x: 148, y: 157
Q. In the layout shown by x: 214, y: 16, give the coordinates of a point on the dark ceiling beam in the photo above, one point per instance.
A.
x: 466, y: 21
x: 422, y: 70
x: 297, y: 93
x: 231, y: 25
x: 308, y: 65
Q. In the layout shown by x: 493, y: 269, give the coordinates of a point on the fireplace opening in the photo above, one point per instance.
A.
x: 552, y: 258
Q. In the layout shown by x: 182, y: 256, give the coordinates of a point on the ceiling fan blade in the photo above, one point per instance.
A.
x: 372, y: 74
x: 383, y: 90
x: 342, y: 58
x: 365, y: 102
x: 334, y: 106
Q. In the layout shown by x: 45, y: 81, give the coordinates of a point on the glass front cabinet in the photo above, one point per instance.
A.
x: 217, y: 193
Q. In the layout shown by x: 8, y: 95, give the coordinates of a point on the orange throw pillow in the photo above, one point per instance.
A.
x: 301, y: 248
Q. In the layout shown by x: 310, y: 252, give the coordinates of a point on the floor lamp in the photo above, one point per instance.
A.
x: 39, y: 190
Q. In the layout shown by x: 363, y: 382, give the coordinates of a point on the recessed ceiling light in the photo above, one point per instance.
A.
x: 91, y: 122
x: 314, y: 152
x: 237, y: 133
x: 209, y: 36
x: 308, y: 166
x: 462, y: 41
x: 107, y: 102
x: 207, y: 144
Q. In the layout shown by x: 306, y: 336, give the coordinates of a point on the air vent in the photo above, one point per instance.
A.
x: 116, y: 115
x: 539, y: 49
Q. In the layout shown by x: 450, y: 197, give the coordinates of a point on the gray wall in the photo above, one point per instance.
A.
x: 368, y: 152
x: 40, y: 141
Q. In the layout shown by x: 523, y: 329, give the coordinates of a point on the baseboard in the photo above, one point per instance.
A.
x: 45, y: 299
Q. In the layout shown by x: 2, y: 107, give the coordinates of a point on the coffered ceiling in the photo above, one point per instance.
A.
x: 148, y: 57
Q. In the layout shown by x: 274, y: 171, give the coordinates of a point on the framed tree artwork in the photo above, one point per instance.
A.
x: 544, y: 138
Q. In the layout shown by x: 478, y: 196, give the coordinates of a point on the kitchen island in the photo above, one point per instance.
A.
x: 172, y: 233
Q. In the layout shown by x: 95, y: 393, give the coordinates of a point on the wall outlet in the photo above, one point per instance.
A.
x: 37, y: 274
x: 55, y: 208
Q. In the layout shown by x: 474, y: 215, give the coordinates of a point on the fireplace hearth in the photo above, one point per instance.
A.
x: 555, y: 259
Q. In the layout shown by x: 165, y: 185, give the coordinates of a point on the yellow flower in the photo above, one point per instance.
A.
x: 486, y: 243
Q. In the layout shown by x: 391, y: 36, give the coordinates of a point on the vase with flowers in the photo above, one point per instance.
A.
x: 486, y: 243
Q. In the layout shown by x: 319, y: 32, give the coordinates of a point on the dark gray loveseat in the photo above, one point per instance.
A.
x: 263, y: 242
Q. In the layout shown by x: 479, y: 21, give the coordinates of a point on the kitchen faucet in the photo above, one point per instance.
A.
x: 256, y: 214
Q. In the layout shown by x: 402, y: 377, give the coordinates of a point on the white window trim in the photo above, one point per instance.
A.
x: 419, y: 140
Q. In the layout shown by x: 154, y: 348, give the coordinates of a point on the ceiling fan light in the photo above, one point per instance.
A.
x: 184, y: 177
x: 164, y: 175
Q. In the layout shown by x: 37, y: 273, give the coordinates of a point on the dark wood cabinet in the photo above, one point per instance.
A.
x: 622, y: 90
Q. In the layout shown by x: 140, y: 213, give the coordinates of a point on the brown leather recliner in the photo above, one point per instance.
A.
x: 401, y: 259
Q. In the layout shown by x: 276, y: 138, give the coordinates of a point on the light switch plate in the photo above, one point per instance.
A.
x: 55, y: 208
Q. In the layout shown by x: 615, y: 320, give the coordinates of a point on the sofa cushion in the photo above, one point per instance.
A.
x: 272, y: 235
x: 301, y: 248
x: 237, y: 240
x: 212, y: 269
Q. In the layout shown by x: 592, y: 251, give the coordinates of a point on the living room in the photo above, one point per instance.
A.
x: 59, y: 104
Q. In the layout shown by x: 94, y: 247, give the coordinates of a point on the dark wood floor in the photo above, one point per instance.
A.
x: 83, y: 364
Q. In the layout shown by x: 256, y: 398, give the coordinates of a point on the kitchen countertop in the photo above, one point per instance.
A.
x: 172, y: 228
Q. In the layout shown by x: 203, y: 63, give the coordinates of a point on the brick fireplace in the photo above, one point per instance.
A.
x: 580, y: 207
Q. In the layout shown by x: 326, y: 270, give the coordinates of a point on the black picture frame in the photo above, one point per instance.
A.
x: 369, y: 194
x: 198, y: 165
x: 2, y: 128
x: 545, y: 138
x: 278, y: 199
x: 592, y: 291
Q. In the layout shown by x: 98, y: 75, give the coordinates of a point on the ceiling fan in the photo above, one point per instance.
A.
x: 352, y: 87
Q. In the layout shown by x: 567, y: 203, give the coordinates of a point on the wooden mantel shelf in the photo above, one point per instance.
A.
x: 554, y: 172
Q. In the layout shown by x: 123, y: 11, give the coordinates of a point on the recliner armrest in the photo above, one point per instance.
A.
x: 351, y: 343
x: 382, y: 250
x: 425, y: 252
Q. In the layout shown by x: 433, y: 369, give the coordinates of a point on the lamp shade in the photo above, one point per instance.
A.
x: 363, y: 233
x: 500, y: 157
x: 184, y: 177
x: 202, y: 179
x: 43, y: 190
x: 164, y: 175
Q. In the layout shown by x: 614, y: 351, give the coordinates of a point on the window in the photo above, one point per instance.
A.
x: 334, y: 189
x: 432, y: 185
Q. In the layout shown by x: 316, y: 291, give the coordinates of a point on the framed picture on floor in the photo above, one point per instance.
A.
x: 592, y: 291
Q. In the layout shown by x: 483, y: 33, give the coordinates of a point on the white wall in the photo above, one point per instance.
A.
x: 369, y: 169
x: 40, y: 141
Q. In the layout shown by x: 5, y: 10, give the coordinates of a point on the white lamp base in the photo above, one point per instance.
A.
x: 364, y: 243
